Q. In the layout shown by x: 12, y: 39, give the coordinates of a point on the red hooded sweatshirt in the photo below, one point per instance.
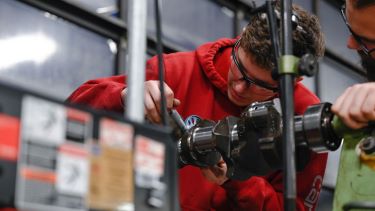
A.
x: 199, y: 80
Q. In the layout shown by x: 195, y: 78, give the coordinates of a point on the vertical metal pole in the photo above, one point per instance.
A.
x: 121, y: 43
x: 159, y: 47
x: 274, y: 34
x: 317, y: 83
x: 287, y: 103
x: 136, y: 57
x: 238, y: 16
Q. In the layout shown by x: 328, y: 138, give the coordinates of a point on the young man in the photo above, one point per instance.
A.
x: 217, y: 80
x: 356, y: 106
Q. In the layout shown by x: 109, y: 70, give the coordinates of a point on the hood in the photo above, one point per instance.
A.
x: 216, y: 70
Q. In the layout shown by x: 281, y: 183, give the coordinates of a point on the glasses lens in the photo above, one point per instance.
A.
x: 357, y: 38
x: 240, y: 67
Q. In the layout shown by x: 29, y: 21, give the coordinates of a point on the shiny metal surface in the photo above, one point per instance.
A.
x: 137, y: 10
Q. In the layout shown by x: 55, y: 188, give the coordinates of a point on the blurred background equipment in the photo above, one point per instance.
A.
x: 55, y: 156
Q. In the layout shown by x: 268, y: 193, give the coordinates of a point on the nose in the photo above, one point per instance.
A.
x: 240, y: 86
x: 352, y: 43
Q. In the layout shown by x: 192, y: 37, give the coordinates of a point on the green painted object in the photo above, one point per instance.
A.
x: 288, y: 64
x: 356, y: 179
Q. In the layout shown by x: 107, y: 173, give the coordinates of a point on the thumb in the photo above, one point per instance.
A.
x: 176, y: 102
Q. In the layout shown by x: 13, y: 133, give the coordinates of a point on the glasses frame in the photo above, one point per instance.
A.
x: 242, y: 70
x: 357, y: 38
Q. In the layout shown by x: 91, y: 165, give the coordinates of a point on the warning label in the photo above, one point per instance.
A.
x: 149, y: 161
x: 111, y: 181
x: 54, y: 161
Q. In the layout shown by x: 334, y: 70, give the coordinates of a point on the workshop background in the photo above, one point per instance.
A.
x: 54, y: 46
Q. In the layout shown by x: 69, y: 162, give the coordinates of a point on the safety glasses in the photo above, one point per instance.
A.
x: 242, y: 70
x: 358, y: 39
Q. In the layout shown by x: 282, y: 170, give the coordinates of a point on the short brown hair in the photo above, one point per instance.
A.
x: 257, y: 43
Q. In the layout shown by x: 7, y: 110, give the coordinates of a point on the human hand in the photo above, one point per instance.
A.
x: 217, y: 173
x: 356, y: 106
x: 153, y: 98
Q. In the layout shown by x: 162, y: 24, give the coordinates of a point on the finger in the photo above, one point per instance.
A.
x: 368, y: 107
x: 150, y: 106
x: 336, y: 107
x: 155, y: 95
x: 344, y: 109
x: 356, y: 106
x: 169, y: 96
x: 176, y: 102
x: 150, y: 109
x: 351, y: 123
x: 352, y: 112
x: 355, y: 109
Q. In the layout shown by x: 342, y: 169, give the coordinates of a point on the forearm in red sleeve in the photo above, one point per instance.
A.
x: 103, y: 93
x: 266, y: 193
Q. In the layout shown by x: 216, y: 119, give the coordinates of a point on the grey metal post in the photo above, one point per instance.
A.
x: 287, y: 104
x: 136, y: 57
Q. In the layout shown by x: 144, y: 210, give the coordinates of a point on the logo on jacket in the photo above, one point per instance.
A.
x: 312, y: 197
x: 191, y: 121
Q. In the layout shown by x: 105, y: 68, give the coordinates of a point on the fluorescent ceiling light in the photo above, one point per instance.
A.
x: 25, y: 48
